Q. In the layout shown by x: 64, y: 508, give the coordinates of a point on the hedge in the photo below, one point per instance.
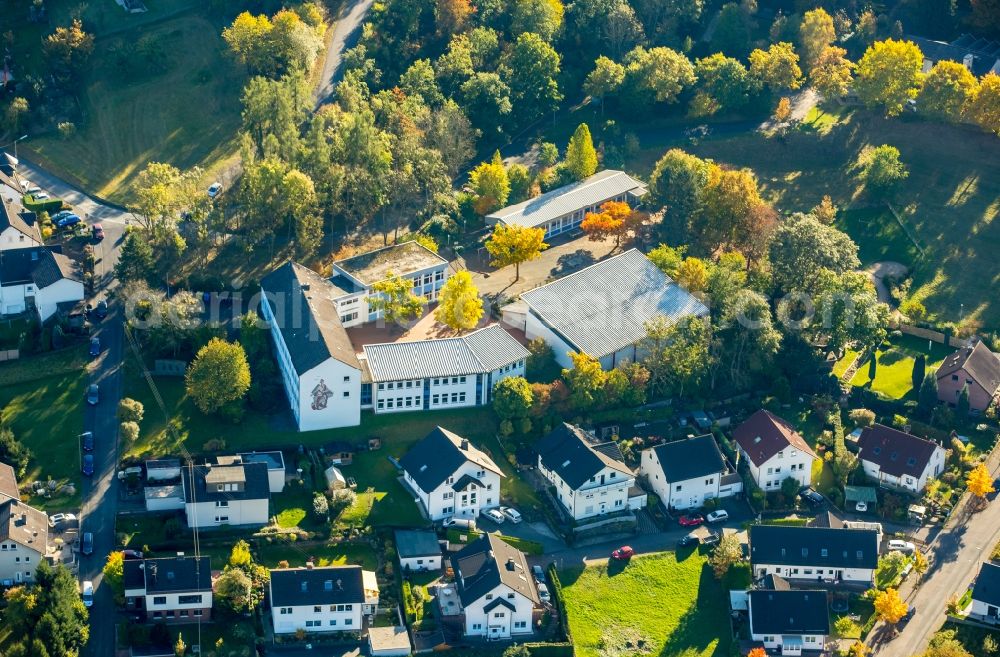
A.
x: 49, y: 205
x: 559, y: 601
x: 564, y: 649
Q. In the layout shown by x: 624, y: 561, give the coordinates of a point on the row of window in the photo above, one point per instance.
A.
x: 399, y: 402
x: 518, y: 625
x: 349, y: 317
x: 183, y: 613
x: 399, y: 385
x: 12, y: 546
x: 317, y: 609
x: 455, y: 380
x: 193, y: 599
x: 708, y: 482
x: 456, y: 398
x: 795, y: 466
x: 332, y: 623
x: 426, y: 280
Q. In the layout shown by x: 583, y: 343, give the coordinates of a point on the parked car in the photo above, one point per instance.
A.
x: 93, y: 394
x: 95, y: 347
x: 897, y: 545
x: 907, y: 617
x: 622, y: 553
x: 87, y: 441
x: 68, y: 220
x: 493, y: 515
x: 718, y: 516
x: 87, y: 543
x: 214, y: 189
x: 32, y: 188
x: 87, y: 593
x: 543, y: 593
x: 98, y: 232
x: 88, y: 465
x: 59, y: 215
x: 539, y: 573
x: 711, y: 539
x: 691, y: 520
x: 687, y: 540
x: 512, y: 514
x: 60, y: 518
x: 810, y: 496
x: 460, y: 523
x: 861, y: 506
x: 132, y: 554
x: 40, y: 196
x: 102, y: 309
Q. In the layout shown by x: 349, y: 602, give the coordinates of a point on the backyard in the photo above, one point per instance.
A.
x: 894, y: 370
x: 610, y: 607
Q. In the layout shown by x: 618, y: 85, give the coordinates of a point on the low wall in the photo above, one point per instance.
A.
x: 933, y: 336
x: 9, y: 354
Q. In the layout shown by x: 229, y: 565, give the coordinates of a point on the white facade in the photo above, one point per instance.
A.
x: 18, y: 562
x: 815, y: 573
x: 605, y: 492
x: 499, y: 622
x: 789, y: 462
x: 15, y: 298
x: 934, y: 467
x: 158, y: 605
x: 990, y: 612
x: 438, y: 393
x: 791, y: 644
x: 686, y: 494
x: 11, y: 238
x: 445, y: 502
x: 318, y: 618
x: 230, y: 512
x: 417, y: 564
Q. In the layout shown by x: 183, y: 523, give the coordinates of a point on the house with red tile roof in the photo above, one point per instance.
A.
x: 774, y: 451
x: 976, y: 367
x: 899, y: 460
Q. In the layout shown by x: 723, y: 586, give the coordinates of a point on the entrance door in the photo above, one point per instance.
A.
x: 17, y: 576
x: 604, y: 507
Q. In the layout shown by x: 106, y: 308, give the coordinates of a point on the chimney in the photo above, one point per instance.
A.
x: 305, y: 586
x: 465, y: 444
x: 967, y: 61
x: 340, y: 585
x: 510, y: 564
x: 309, y: 565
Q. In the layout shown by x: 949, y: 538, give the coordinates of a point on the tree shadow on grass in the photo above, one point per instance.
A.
x: 891, y: 357
x: 704, y: 621
x: 569, y: 574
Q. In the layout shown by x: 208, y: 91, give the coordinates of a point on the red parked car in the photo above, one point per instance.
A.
x: 691, y: 521
x: 624, y: 552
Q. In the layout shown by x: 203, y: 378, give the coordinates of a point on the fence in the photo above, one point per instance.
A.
x: 934, y: 336
x: 9, y: 354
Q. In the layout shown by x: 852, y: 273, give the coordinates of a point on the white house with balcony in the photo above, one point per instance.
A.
x: 496, y: 591
x: 450, y: 477
x: 774, y: 451
x: 985, y: 603
x: 789, y: 622
x: 590, y: 477
x: 688, y: 472
x: 821, y: 555
x: 354, y: 278
x: 329, y: 599
x: 899, y: 460
x: 171, y: 589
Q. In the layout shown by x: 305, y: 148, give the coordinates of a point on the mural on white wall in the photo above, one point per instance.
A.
x: 321, y: 396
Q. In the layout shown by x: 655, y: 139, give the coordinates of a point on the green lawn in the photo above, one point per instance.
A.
x: 185, y: 111
x: 271, y: 554
x: 293, y: 507
x: 878, y: 235
x: 46, y: 415
x: 610, y: 607
x: 845, y: 361
x: 894, y: 373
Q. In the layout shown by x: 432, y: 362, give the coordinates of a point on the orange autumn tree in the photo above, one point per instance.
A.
x: 615, y: 219
x: 757, y: 652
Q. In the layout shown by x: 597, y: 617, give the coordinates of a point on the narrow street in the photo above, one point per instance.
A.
x: 345, y: 33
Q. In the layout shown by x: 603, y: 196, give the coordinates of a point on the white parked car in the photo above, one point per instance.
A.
x: 59, y: 518
x: 543, y: 593
x: 460, y: 523
x: 87, y: 593
x: 896, y: 545
x: 512, y: 514
x: 493, y: 515
x: 214, y: 189
x: 40, y: 196
x: 718, y: 516
x: 861, y: 506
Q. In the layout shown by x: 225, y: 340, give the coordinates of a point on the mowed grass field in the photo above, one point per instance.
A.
x: 950, y: 201
x: 185, y: 111
x: 894, y: 370
x: 612, y: 607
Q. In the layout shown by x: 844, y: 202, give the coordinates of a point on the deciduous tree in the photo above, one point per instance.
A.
x: 889, y: 606
x: 881, y: 170
x: 611, y: 221
x: 816, y: 32
x: 984, y: 108
x: 724, y: 85
x: 659, y: 72
x: 980, y: 481
x: 803, y: 248
x: 581, y: 157
x: 114, y: 575
x: 889, y: 75
x: 927, y: 398
x: 585, y: 380
x: 452, y: 16
x: 693, y: 274
x: 948, y: 89
x: 678, y: 186
x: 395, y: 299
x: 531, y: 69
x: 832, y: 73
x: 218, y: 375
x: 486, y: 99
x: 491, y: 185
x: 542, y: 17
x: 247, y: 37
x: 513, y: 244
x: 604, y: 80
x: 459, y: 305
x: 234, y: 589
x: 69, y: 47
x: 777, y: 67
x: 512, y: 398
x: 679, y: 357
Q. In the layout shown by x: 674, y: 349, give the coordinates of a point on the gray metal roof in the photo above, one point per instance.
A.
x: 485, y: 350
x: 605, y: 307
x: 598, y: 188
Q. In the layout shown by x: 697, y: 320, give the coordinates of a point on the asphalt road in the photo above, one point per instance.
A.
x: 345, y: 34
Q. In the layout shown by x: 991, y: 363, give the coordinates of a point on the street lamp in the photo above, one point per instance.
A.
x: 14, y: 144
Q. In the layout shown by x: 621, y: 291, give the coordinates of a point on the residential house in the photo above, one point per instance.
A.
x: 563, y: 209
x: 319, y: 367
x: 354, y: 278
x: 223, y: 495
x: 986, y: 594
x: 686, y: 473
x: 814, y: 554
x: 789, y: 622
x: 976, y: 367
x: 391, y: 641
x: 499, y: 599
x: 8, y: 483
x: 899, y: 460
x: 450, y: 476
x: 165, y: 469
x: 980, y: 56
x: 329, y: 599
x: 24, y: 540
x: 437, y: 374
x: 774, y: 451
x: 177, y: 589
x: 38, y: 279
x: 603, y: 310
x: 418, y: 550
x: 590, y: 477
x: 18, y: 228
x: 275, y: 462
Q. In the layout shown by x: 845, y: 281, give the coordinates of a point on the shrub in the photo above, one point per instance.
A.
x: 129, y: 431
x: 214, y: 445
x: 320, y: 505
x: 342, y: 500
x: 130, y: 410
x: 66, y: 129
x: 862, y: 417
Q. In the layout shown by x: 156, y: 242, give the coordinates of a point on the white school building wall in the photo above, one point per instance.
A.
x: 440, y: 392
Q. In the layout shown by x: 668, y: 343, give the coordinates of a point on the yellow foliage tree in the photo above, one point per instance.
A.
x: 218, y: 375
x: 984, y: 108
x: 491, y: 184
x: 831, y: 74
x: 693, y: 274
x: 513, y: 244
x: 889, y: 606
x: 757, y: 652
x: 889, y: 75
x: 980, y: 481
x: 460, y: 306
x: 612, y: 220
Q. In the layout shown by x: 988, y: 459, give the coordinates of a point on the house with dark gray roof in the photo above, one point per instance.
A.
x: 8, y: 483
x: 899, y: 460
x: 814, y: 554
x: 418, y: 550
x: 980, y: 56
x: 589, y: 476
x: 497, y: 595
x: 223, y: 495
x: 974, y: 367
x: 18, y: 227
x: 39, y: 279
x: 328, y: 599
x: 562, y: 210
x: 789, y: 622
x: 774, y: 450
x: 603, y: 310
x: 686, y: 473
x: 986, y: 594
x: 451, y: 477
x: 172, y: 589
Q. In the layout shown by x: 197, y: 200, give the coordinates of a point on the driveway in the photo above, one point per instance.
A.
x: 345, y: 34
